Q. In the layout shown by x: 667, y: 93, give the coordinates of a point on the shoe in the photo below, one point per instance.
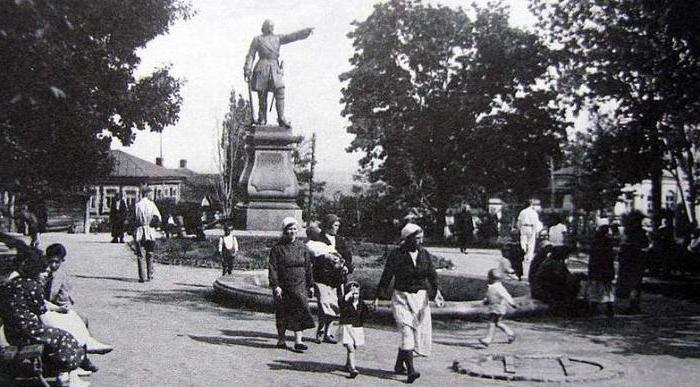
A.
x: 330, y: 340
x: 141, y: 280
x: 75, y: 381
x: 94, y: 346
x: 484, y: 342
x: 354, y: 373
x: 284, y: 123
x: 83, y: 372
x: 87, y: 365
x: 281, y: 345
x: 412, y: 377
x: 511, y: 339
x: 300, y: 347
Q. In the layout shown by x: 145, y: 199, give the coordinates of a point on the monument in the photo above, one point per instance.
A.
x: 268, y: 182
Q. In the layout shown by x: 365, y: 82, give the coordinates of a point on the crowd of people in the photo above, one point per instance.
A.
x: 37, y: 307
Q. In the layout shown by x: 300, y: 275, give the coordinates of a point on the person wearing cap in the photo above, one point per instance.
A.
x: 329, y: 275
x: 291, y: 278
x: 498, y: 299
x: 529, y: 226
x: 146, y: 216
x: 414, y: 275
x: 353, y: 312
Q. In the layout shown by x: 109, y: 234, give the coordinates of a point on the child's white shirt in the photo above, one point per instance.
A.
x: 498, y: 298
x: 229, y: 242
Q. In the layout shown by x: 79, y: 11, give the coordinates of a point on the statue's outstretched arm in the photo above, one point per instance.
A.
x: 294, y: 36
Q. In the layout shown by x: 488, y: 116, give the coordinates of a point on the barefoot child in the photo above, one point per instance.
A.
x: 353, y: 312
x: 497, y: 298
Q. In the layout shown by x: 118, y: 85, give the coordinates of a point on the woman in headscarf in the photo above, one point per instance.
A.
x: 415, y: 279
x: 291, y: 278
x: 22, y: 304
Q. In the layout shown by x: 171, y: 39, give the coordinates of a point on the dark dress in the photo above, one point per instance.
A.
x: 633, y: 262
x: 290, y: 269
x: 21, y: 304
x: 601, y: 265
x: 514, y: 253
x: 554, y: 284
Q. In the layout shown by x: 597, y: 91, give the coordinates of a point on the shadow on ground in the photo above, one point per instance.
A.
x: 121, y: 279
x: 668, y: 327
x: 327, y: 368
x: 193, y: 298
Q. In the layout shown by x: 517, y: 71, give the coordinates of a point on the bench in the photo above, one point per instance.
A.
x: 22, y: 366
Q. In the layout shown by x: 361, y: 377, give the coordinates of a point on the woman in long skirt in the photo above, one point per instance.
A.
x: 601, y: 271
x: 291, y: 278
x: 414, y: 274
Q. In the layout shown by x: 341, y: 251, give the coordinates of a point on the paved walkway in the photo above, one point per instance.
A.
x: 169, y: 332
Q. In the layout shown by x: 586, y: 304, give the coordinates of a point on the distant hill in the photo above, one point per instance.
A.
x: 336, y: 181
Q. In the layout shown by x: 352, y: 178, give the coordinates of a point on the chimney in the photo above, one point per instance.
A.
x: 159, y: 161
x: 183, y: 163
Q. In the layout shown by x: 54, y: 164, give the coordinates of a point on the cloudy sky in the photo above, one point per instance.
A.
x: 208, y: 51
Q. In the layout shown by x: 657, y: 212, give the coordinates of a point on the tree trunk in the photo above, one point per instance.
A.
x: 86, y: 214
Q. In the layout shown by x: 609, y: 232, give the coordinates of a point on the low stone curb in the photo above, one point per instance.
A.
x: 245, y: 289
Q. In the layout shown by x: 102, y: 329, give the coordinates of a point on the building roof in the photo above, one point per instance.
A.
x: 126, y: 165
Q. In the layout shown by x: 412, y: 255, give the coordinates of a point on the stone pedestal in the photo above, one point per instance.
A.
x: 268, y: 182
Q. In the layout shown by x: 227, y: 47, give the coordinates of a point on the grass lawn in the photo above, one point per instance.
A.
x: 255, y: 250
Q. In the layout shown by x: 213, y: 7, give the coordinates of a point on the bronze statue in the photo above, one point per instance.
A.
x: 267, y: 74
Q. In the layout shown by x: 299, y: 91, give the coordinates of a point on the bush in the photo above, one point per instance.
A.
x: 254, y: 252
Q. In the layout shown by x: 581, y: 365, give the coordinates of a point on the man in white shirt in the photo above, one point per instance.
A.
x: 558, y: 232
x: 529, y: 225
x: 146, y: 216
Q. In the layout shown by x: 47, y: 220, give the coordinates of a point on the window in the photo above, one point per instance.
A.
x: 670, y: 200
x: 131, y: 195
x: 94, y: 196
x: 108, y: 197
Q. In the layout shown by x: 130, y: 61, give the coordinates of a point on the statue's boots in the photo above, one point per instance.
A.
x: 279, y: 105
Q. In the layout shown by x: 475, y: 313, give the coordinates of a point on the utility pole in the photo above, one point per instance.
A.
x: 553, y: 193
x: 311, y: 179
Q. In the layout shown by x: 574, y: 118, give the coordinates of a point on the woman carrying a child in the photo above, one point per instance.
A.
x: 414, y: 276
x: 332, y: 262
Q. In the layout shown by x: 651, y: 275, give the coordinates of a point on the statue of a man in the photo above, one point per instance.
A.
x: 267, y: 74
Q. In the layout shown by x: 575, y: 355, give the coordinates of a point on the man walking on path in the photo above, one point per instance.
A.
x: 529, y: 225
x: 146, y: 217
x: 117, y: 218
x: 465, y: 228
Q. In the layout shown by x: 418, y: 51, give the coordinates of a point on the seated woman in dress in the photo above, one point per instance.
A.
x: 57, y: 292
x: 21, y: 306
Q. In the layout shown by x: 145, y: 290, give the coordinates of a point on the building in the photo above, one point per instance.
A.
x: 128, y: 175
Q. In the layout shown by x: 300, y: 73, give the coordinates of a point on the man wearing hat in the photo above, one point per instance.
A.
x: 329, y: 277
x: 146, y: 217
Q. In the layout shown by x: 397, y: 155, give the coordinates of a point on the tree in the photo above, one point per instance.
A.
x: 304, y: 164
x: 444, y: 106
x: 69, y: 87
x: 231, y: 151
x: 636, y: 62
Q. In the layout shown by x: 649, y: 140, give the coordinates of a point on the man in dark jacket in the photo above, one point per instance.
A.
x: 117, y: 217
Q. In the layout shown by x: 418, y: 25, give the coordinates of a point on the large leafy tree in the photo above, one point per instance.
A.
x: 636, y: 61
x: 69, y: 86
x: 445, y: 106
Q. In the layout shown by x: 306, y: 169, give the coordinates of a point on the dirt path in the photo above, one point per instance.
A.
x: 169, y: 332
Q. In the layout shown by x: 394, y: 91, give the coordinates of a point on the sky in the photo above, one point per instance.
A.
x: 208, y: 52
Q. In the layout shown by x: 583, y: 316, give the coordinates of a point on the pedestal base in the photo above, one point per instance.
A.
x: 266, y: 216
